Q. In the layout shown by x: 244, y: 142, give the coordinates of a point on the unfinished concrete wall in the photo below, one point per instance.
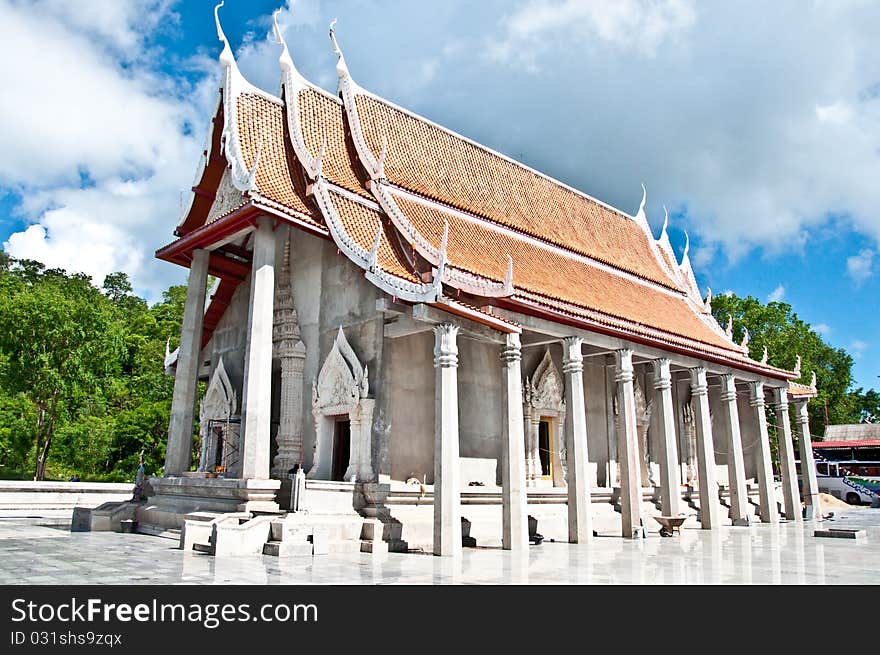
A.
x: 409, y: 417
x: 748, y: 427
x: 330, y: 292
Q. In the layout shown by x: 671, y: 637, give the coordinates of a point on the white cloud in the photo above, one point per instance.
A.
x: 78, y: 113
x: 860, y: 267
x: 635, y: 25
x: 858, y: 347
x: 838, y: 113
x: 761, y: 125
x: 823, y: 329
x: 777, y: 294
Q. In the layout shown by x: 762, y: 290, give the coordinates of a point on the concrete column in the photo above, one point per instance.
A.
x: 710, y: 508
x: 768, y: 510
x: 533, y: 462
x: 178, y: 452
x: 257, y: 392
x: 628, y: 446
x: 289, y: 437
x: 580, y: 522
x: 736, y: 469
x: 810, y: 485
x: 670, y: 488
x: 447, y: 492
x: 791, y: 497
x: 514, y: 513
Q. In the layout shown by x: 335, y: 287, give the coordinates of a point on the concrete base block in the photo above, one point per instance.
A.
x: 105, y: 518
x: 175, y: 497
x: 287, y: 549
x: 320, y: 542
x: 841, y: 533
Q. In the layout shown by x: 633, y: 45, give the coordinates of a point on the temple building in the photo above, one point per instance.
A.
x: 453, y: 347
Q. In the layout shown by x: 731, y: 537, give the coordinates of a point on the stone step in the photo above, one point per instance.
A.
x: 286, y: 549
x: 158, y: 531
x: 204, y: 548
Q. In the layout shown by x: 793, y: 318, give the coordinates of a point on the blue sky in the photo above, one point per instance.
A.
x: 757, y: 125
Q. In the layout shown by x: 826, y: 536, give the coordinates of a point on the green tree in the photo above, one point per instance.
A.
x: 865, y: 405
x: 61, y: 343
x: 776, y: 326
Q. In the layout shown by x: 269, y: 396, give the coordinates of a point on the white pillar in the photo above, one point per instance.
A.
x: 178, y: 451
x: 768, y: 509
x: 736, y: 470
x: 710, y: 510
x: 447, y: 492
x: 670, y: 488
x: 791, y: 497
x: 533, y: 461
x: 628, y: 446
x: 810, y: 486
x: 257, y: 394
x: 514, y: 513
x: 289, y: 437
x: 580, y: 524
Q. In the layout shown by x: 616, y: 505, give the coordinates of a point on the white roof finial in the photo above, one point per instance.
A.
x: 226, y: 56
x: 641, y: 212
x: 441, y: 266
x: 745, y: 340
x: 380, y: 169
x: 284, y: 60
x: 729, y: 329
x: 764, y: 356
x: 797, y: 366
x: 508, y: 276
x: 665, y: 221
x: 708, y: 302
x: 687, y: 247
x: 341, y: 66
x: 252, y: 172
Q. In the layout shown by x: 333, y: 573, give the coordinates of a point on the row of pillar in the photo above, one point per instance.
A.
x: 447, y: 508
x: 256, y: 398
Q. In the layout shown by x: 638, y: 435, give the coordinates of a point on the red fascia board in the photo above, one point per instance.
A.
x: 180, y: 251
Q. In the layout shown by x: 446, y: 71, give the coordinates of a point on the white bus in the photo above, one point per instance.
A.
x: 852, y: 481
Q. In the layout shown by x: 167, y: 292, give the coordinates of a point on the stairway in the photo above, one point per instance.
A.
x: 303, y: 534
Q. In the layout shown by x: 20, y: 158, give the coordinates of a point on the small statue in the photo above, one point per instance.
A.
x: 139, y: 479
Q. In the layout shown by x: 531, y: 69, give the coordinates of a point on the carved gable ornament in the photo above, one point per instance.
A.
x: 219, y: 401
x: 546, y: 390
x: 342, y: 381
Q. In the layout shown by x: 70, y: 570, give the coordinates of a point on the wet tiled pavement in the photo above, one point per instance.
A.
x: 34, y: 551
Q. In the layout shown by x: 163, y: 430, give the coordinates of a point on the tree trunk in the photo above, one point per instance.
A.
x: 49, y: 425
x: 41, y: 418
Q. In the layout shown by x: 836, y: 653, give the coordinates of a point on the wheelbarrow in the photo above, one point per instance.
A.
x: 670, y: 524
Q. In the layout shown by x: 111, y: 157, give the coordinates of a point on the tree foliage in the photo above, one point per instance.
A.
x: 82, y: 383
x: 83, y: 388
x: 785, y: 335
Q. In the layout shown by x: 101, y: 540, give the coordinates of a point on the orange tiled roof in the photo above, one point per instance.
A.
x: 483, y: 250
x: 433, y: 162
x: 322, y: 118
x: 494, y: 208
x: 361, y: 224
x: 262, y: 125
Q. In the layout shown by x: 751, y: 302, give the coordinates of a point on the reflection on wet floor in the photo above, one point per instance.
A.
x: 36, y: 552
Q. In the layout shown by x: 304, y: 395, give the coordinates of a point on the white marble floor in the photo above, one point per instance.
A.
x: 34, y: 551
